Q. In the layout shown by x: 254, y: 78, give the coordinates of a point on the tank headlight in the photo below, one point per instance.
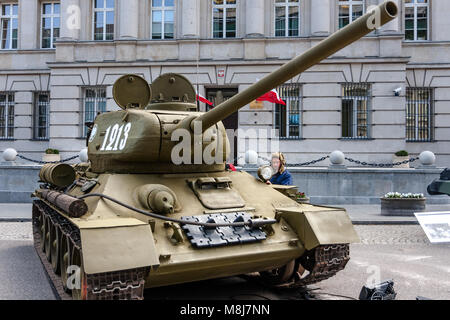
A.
x: 265, y: 173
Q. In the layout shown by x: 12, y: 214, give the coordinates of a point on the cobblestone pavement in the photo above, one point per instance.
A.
x: 392, y: 234
x: 16, y: 231
x: 379, y: 234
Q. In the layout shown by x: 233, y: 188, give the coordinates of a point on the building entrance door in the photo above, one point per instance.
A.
x: 217, y: 96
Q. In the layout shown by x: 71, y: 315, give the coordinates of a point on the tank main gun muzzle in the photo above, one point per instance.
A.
x: 375, y: 18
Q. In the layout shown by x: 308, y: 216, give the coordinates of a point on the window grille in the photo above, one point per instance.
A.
x: 6, y: 115
x: 356, y: 98
x: 288, y: 118
x: 419, y: 110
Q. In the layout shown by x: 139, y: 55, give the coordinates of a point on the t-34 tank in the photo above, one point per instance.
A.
x: 151, y: 208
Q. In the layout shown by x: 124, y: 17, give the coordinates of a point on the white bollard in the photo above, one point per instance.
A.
x: 337, y: 158
x: 10, y: 154
x: 427, y: 158
x: 83, y: 155
x: 251, y: 157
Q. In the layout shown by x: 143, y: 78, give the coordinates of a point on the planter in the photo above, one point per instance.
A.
x: 51, y: 157
x: 402, y: 207
x: 400, y: 159
x: 302, y: 200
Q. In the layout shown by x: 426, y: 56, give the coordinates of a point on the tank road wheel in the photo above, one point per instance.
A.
x: 47, y: 240
x: 79, y: 292
x: 40, y: 225
x: 55, y: 235
x: 64, y: 260
x: 279, y: 275
x: 43, y: 231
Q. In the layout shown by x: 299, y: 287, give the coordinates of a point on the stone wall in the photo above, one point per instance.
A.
x: 323, y: 185
x: 362, y: 185
x: 17, y: 182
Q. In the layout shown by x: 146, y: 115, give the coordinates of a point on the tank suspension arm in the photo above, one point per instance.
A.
x: 381, y: 15
x: 253, y: 223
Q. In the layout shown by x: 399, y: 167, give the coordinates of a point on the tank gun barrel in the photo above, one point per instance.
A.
x: 377, y: 17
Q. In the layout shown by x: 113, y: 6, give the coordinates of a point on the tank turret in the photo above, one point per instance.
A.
x: 143, y: 137
x: 441, y: 185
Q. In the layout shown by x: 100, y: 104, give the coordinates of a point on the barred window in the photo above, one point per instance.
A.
x: 6, y: 115
x: 224, y: 18
x: 356, y: 99
x: 163, y: 19
x: 94, y: 104
x: 349, y: 11
x: 287, y: 18
x: 416, y: 20
x: 50, y: 24
x: 419, y: 111
x: 41, y: 115
x: 288, y: 118
x: 9, y: 26
x: 103, y: 19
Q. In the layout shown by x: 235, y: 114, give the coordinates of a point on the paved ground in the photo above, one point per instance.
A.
x: 402, y: 253
x: 360, y: 214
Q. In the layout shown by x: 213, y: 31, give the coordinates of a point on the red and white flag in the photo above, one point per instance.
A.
x: 272, y: 96
x: 203, y: 99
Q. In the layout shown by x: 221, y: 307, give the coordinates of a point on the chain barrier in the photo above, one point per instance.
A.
x: 46, y: 162
x: 304, y: 164
x: 381, y: 165
x: 361, y: 163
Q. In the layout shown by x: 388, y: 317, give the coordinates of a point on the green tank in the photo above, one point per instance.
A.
x: 441, y: 185
x: 147, y: 211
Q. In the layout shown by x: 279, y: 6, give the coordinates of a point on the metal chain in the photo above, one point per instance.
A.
x: 46, y: 162
x: 381, y: 165
x: 362, y: 163
x: 300, y: 164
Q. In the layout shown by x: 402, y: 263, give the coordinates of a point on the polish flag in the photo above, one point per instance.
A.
x: 203, y: 99
x: 272, y: 96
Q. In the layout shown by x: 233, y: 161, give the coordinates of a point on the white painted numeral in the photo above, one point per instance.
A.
x: 123, y: 143
x: 114, y: 139
x: 105, y: 139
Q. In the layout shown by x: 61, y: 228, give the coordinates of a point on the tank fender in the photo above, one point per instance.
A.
x: 117, y: 244
x: 319, y: 227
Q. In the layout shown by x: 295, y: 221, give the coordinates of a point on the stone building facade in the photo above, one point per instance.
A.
x: 385, y: 93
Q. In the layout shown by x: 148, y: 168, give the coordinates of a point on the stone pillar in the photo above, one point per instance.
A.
x: 28, y: 24
x: 70, y: 20
x: 254, y: 18
x: 190, y: 19
x: 393, y: 26
x: 128, y: 15
x: 320, y: 17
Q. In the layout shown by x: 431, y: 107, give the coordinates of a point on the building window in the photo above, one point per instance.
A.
x: 6, y: 115
x: 103, y: 20
x: 287, y: 18
x: 41, y: 115
x: 94, y: 104
x: 224, y: 18
x: 349, y: 11
x: 355, y: 110
x: 416, y: 20
x: 163, y: 19
x: 419, y: 111
x: 9, y: 21
x: 288, y: 117
x: 50, y: 24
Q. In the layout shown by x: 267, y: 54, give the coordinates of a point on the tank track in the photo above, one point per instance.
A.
x: 322, y: 262
x: 120, y: 285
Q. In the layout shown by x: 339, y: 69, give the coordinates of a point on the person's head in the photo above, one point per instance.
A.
x: 278, y: 162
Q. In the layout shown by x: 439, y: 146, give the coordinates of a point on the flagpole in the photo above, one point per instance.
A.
x: 198, y: 87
